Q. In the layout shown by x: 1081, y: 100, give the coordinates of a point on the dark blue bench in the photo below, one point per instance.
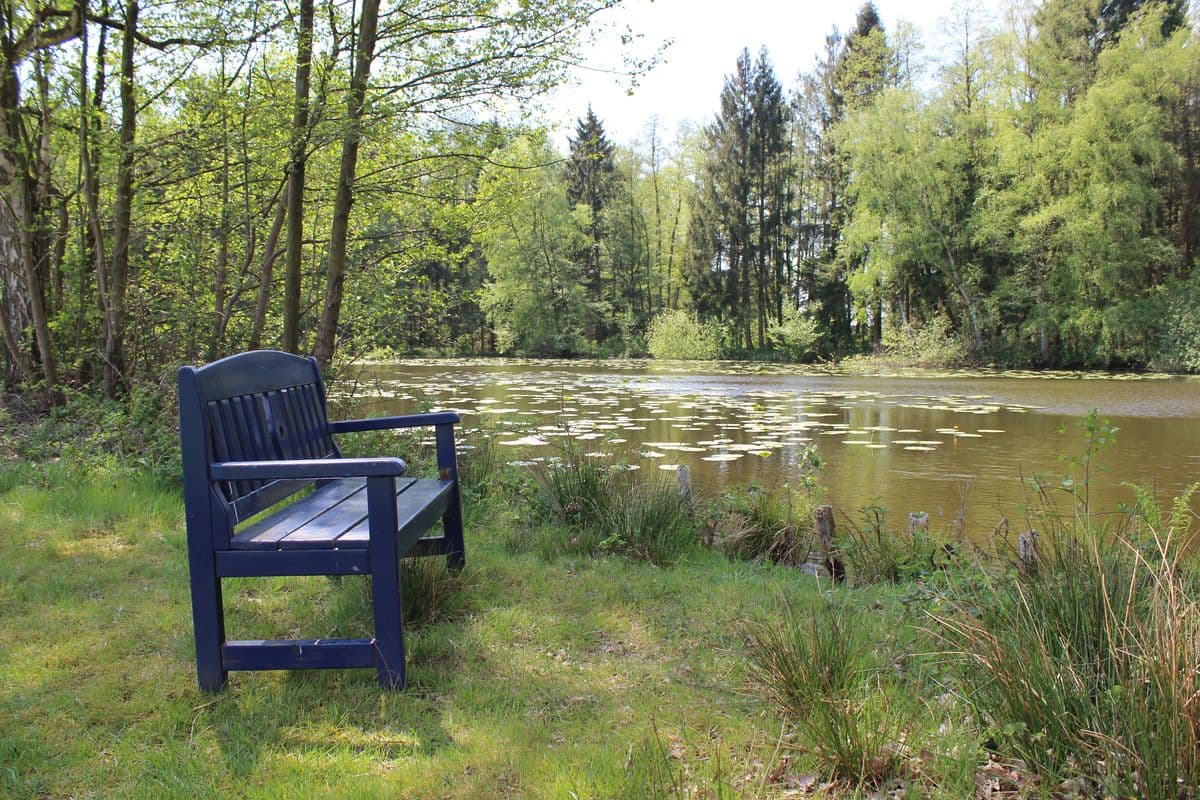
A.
x: 254, y: 431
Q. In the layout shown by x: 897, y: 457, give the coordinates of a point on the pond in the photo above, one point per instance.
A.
x: 913, y: 440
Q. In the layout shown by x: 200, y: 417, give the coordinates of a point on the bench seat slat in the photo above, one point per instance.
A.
x: 266, y: 533
x: 322, y: 532
x: 416, y: 510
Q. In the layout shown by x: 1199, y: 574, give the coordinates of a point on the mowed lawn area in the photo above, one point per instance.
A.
x: 535, y: 676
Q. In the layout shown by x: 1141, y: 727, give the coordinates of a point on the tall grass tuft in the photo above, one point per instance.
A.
x: 649, y: 521
x: 762, y: 523
x: 607, y: 510
x: 1087, y: 664
x: 819, y: 667
x: 877, y: 552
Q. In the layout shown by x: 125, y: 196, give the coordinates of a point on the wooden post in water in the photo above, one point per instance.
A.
x: 827, y: 540
x: 685, y: 482
x: 1027, y: 551
x: 918, y: 521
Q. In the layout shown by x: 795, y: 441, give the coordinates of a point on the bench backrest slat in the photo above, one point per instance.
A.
x: 258, y: 406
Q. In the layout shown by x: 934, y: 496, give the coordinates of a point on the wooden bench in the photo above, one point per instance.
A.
x: 254, y: 431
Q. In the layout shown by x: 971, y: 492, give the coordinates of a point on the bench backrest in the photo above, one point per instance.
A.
x: 262, y: 405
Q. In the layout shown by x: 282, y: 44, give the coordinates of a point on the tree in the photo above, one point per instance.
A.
x: 590, y: 175
x: 530, y: 235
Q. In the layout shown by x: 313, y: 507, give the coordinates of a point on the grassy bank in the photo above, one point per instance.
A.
x: 608, y: 640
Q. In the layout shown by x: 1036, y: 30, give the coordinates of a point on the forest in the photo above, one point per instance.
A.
x: 184, y: 180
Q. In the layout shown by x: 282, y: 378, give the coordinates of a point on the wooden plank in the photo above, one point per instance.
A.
x: 323, y: 531
x: 421, y: 505
x: 262, y: 563
x: 298, y: 654
x: 266, y: 533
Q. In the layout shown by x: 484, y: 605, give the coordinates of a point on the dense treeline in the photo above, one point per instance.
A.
x: 1029, y: 197
x: 186, y: 179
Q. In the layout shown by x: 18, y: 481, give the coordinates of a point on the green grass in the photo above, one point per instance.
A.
x: 558, y: 669
x: 547, y: 678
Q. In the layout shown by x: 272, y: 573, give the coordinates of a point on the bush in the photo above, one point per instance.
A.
x: 797, y: 336
x: 933, y: 344
x: 1179, y: 340
x: 677, y: 334
x: 139, y: 432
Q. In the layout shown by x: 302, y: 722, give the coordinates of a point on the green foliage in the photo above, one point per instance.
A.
x: 678, y: 334
x: 876, y: 552
x: 1086, y: 663
x: 530, y: 234
x: 1177, y: 318
x: 603, y: 509
x: 139, y: 433
x: 931, y: 344
x: 1083, y: 654
x: 796, y: 336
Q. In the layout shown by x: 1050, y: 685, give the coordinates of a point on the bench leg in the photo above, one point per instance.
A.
x: 208, y: 623
x: 385, y: 584
x: 452, y: 525
x: 389, y: 628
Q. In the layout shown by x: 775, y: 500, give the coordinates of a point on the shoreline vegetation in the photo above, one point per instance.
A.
x: 612, y: 637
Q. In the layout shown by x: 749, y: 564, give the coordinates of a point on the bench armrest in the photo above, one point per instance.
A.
x: 386, y: 423
x: 306, y: 468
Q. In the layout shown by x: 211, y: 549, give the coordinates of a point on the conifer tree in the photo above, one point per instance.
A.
x: 591, y: 182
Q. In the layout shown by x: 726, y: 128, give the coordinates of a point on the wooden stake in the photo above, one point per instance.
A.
x: 827, y: 540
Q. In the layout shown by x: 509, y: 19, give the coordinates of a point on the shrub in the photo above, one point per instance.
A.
x: 1179, y: 340
x: 932, y: 344
x: 140, y: 432
x: 797, y: 336
x: 677, y: 334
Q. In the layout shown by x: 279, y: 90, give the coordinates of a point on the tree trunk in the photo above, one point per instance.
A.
x: 114, y: 303
x: 270, y: 253
x: 295, y: 192
x: 335, y: 274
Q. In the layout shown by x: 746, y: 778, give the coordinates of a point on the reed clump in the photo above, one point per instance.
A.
x: 820, y: 666
x: 604, y: 509
x: 1085, y: 658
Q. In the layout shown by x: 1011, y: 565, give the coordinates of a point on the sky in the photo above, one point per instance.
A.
x: 706, y: 37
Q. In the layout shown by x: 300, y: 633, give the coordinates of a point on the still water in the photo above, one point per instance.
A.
x: 908, y: 440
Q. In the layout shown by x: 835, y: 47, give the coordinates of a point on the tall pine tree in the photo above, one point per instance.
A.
x: 591, y: 182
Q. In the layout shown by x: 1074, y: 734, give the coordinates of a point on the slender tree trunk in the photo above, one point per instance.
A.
x: 221, y: 274
x: 270, y: 253
x: 114, y: 317
x: 335, y: 274
x: 295, y: 192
